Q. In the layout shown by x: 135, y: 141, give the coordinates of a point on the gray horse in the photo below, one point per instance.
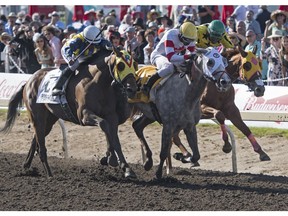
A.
x: 178, y: 103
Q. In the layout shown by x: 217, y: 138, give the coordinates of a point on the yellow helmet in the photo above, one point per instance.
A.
x: 188, y: 30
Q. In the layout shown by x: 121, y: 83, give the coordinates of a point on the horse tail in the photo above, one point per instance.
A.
x: 14, y: 103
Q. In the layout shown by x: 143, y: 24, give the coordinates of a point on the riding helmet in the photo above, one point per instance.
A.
x: 92, y: 34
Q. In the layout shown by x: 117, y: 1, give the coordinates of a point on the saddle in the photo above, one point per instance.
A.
x: 142, y: 76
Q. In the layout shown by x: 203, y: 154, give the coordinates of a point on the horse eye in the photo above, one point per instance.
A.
x: 247, y: 66
x: 210, y: 63
x: 225, y: 62
x: 120, y: 66
x: 135, y: 65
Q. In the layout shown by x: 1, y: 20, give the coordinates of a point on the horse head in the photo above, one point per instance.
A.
x: 213, y: 64
x: 124, y: 71
x: 250, y: 72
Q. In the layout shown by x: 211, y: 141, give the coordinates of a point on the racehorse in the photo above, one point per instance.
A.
x: 239, y: 66
x: 178, y: 102
x: 92, y: 101
x: 221, y: 105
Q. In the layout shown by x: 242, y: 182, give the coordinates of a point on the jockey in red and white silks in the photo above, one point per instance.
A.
x: 167, y: 52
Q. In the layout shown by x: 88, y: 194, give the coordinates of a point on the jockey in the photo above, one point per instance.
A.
x: 168, y: 49
x: 213, y: 35
x: 91, y: 36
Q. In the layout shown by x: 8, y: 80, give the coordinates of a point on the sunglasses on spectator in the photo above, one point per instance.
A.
x: 40, y: 41
x: 275, y: 39
x: 48, y: 33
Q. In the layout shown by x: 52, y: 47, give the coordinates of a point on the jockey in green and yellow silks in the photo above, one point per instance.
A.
x: 213, y: 35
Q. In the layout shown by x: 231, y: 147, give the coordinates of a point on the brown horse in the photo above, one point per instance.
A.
x: 221, y: 106
x: 92, y: 101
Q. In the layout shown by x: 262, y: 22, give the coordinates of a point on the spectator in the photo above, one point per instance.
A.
x: 21, y: 17
x: 27, y: 58
x: 252, y: 24
x: 99, y: 18
x: 55, y: 43
x: 115, y: 38
x: 43, y: 51
x: 230, y: 24
x: 205, y: 13
x: 152, y: 16
x: 227, y: 11
x: 89, y: 17
x: 127, y: 19
x: 55, y: 21
x: 239, y: 13
x: 164, y: 23
x: 7, y: 64
x: 150, y: 38
x: 131, y: 41
x: 272, y: 55
x: 139, y: 24
x: 67, y: 32
x: 10, y: 23
x: 241, y: 28
x: 36, y: 17
x: 252, y: 42
x: 284, y: 58
x: 138, y: 52
x: 36, y: 26
x: 279, y: 18
x: 262, y: 17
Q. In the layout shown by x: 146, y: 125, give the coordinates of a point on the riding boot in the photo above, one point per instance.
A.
x: 147, y: 86
x: 58, y: 89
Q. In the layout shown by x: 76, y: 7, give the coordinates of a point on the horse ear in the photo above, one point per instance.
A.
x: 242, y: 51
x: 116, y: 51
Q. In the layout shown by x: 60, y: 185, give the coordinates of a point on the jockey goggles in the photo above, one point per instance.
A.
x: 187, y: 41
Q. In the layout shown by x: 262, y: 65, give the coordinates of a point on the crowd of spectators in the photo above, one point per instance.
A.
x: 29, y: 43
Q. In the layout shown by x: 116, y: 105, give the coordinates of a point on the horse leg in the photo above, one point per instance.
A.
x: 191, y: 135
x: 114, y: 146
x: 138, y: 126
x: 184, y: 156
x: 165, y: 144
x: 235, y: 117
x: 211, y: 112
x: 50, y: 122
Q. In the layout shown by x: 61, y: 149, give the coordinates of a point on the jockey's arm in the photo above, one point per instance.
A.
x: 225, y: 41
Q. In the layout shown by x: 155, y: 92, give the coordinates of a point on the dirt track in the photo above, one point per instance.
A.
x: 81, y: 183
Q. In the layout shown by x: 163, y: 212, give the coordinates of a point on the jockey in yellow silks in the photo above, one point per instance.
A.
x: 213, y: 35
x: 91, y: 36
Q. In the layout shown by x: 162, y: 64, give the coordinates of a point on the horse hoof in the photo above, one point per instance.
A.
x: 129, y: 173
x: 148, y: 164
x: 264, y: 157
x: 227, y: 148
x: 159, y: 174
x: 112, y: 161
x: 195, y: 165
x: 178, y: 156
x: 103, y: 161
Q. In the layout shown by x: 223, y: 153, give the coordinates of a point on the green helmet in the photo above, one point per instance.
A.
x: 216, y: 29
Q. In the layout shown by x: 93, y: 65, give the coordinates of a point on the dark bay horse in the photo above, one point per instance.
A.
x: 92, y: 100
x: 221, y: 106
x: 178, y: 103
